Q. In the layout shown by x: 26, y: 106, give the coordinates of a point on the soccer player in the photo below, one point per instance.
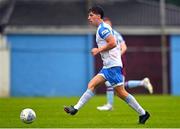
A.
x: 128, y: 84
x: 112, y: 66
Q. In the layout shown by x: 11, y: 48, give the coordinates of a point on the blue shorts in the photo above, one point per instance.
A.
x: 113, y: 75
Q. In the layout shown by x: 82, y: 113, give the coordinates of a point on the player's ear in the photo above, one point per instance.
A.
x: 99, y: 16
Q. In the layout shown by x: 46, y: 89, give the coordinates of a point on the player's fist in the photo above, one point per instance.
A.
x: 94, y: 51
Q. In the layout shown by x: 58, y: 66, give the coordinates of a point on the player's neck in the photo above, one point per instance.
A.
x: 99, y: 22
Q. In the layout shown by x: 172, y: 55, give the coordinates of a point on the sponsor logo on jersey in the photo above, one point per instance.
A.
x: 105, y: 32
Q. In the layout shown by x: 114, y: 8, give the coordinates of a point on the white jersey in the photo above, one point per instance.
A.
x: 110, y: 58
x: 119, y: 37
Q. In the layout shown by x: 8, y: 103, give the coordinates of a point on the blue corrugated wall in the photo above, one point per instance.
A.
x: 50, y: 65
x: 61, y: 65
x: 175, y: 64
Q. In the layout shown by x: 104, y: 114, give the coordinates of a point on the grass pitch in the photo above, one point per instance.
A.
x: 164, y: 110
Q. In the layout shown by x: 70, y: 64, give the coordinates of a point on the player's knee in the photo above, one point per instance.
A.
x: 121, y: 92
x: 123, y: 96
x: 91, y: 87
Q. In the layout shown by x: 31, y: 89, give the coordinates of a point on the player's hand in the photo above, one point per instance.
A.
x: 94, y: 51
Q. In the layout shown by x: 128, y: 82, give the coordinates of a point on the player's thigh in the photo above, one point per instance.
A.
x: 96, y: 81
x: 121, y: 92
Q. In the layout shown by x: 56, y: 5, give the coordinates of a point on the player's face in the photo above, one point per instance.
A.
x: 93, y: 18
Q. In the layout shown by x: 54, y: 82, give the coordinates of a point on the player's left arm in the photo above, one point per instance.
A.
x: 111, y: 43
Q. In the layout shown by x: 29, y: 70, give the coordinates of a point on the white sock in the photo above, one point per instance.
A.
x: 84, y: 98
x: 131, y: 101
x: 110, y: 95
x: 133, y: 83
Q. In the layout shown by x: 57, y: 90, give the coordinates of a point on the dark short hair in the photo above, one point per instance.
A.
x: 97, y: 10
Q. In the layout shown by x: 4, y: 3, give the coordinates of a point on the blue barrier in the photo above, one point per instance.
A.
x: 175, y: 64
x: 50, y: 65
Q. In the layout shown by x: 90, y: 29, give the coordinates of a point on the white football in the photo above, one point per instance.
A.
x: 27, y: 115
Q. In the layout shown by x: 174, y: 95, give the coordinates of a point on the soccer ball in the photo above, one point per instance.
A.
x: 27, y: 115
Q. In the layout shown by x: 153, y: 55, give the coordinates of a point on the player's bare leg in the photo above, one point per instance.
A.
x: 131, y: 101
x: 89, y: 93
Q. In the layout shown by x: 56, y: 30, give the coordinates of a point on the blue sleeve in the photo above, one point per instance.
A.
x: 104, y: 32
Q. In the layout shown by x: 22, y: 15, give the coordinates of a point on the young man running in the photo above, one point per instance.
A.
x: 128, y: 84
x: 112, y: 67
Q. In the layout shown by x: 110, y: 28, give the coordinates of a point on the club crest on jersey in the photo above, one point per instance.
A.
x: 105, y: 32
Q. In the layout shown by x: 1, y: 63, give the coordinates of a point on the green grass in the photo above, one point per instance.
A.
x: 164, y: 110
